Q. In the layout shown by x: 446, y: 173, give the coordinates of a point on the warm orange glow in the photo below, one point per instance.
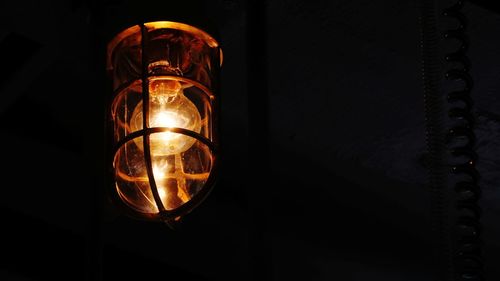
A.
x: 168, y: 107
x: 184, y: 27
x: 160, y: 169
x: 209, y: 40
x: 180, y: 69
x: 170, y: 200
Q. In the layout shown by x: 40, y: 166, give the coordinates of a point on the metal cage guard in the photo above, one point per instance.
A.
x: 167, y: 216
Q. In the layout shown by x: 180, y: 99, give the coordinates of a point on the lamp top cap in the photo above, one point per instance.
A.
x: 136, y: 29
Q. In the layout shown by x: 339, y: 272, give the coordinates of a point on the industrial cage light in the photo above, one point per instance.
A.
x: 163, y: 118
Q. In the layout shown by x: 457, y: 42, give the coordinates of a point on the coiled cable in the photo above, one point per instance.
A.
x: 460, y: 139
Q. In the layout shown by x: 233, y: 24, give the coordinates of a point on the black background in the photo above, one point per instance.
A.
x: 322, y: 134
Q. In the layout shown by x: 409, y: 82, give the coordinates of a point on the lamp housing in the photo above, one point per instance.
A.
x: 163, y: 118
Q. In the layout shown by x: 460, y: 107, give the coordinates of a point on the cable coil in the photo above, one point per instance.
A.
x: 467, y: 255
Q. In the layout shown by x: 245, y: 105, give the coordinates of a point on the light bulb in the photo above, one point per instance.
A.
x: 168, y: 107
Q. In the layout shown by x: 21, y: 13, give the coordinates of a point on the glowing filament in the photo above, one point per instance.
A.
x: 168, y: 108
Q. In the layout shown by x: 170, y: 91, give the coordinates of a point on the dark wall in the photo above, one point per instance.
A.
x: 322, y: 134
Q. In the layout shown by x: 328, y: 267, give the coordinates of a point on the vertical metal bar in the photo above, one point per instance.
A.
x: 145, y: 120
x: 259, y: 203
